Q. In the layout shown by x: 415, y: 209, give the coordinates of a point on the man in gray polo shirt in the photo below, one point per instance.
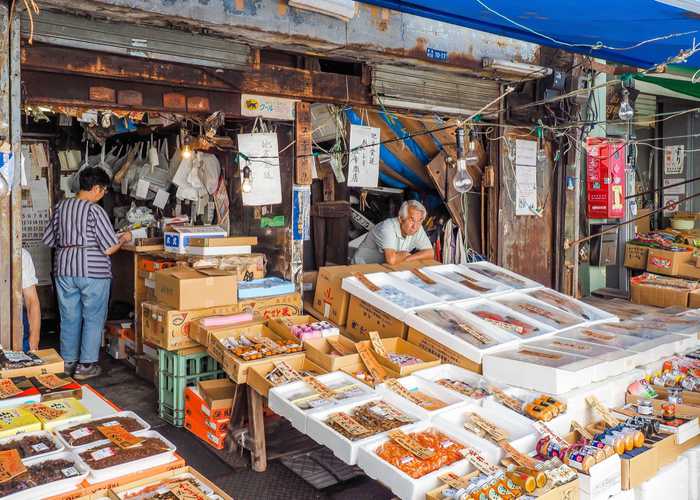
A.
x: 394, y: 240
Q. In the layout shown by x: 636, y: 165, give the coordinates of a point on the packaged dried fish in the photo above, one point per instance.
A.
x: 368, y: 419
x: 434, y: 451
x: 469, y: 390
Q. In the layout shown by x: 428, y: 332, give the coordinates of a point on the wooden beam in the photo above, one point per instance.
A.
x: 303, y: 171
x: 256, y: 428
x: 5, y: 214
x: 16, y: 201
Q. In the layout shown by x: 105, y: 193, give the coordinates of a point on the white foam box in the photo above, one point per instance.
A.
x: 280, y: 398
x: 536, y: 328
x: 669, y: 483
x: 632, y: 346
x: 342, y: 447
x: 504, y: 276
x: 521, y: 433
x: 355, y: 287
x: 602, y: 481
x: 466, y: 278
x: 413, y: 384
x: 693, y: 457
x: 446, y: 290
x: 128, y: 414
x: 519, y: 301
x: 400, y: 483
x: 454, y: 373
x: 656, y: 345
x: 588, y: 313
x: 472, y: 351
x: 525, y: 367
x: 60, y: 447
x: 55, y: 488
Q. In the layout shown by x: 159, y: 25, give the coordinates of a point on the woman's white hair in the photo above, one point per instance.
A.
x: 415, y: 205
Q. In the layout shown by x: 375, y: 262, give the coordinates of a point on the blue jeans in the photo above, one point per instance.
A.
x: 83, y: 305
x: 25, y: 325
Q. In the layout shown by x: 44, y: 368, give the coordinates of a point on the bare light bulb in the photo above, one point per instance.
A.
x: 472, y: 158
x: 626, y: 110
x: 462, y: 181
x: 186, y: 152
x: 246, y: 183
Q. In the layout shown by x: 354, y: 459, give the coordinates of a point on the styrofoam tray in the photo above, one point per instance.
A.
x: 353, y: 286
x: 60, y: 447
x: 658, y: 344
x: 541, y: 311
x: 455, y: 373
x: 540, y: 370
x: 279, y: 397
x: 461, y: 343
x: 521, y: 433
x: 108, y: 473
x: 131, y: 414
x: 586, y: 312
x: 504, y: 276
x: 633, y: 346
x: 57, y: 487
x: 680, y: 323
x: 400, y: 483
x: 342, y: 447
x: 458, y: 274
x: 446, y: 290
x: 413, y: 383
x: 537, y: 329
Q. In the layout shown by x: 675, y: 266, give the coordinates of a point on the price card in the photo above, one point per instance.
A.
x: 102, y: 454
x: 478, y: 461
x: 70, y: 472
x: 518, y: 457
x: 602, y: 411
x: 454, y: 481
x: 349, y: 424
x: 10, y: 465
x: 542, y: 428
x: 513, y: 403
x: 322, y: 389
x: 119, y: 436
x: 410, y: 444
x: 575, y: 426
x: 52, y: 381
x: 39, y: 447
x: 185, y: 490
x: 80, y: 433
x: 46, y: 413
x: 8, y: 389
x: 373, y: 367
x: 386, y: 410
x: 496, y: 433
x: 395, y: 386
x: 365, y: 281
x: 377, y: 344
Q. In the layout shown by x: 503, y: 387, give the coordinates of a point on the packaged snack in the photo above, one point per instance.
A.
x: 434, y: 451
x: 87, y: 433
x: 372, y: 418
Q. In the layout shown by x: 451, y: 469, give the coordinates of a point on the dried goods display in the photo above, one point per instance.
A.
x: 309, y: 398
x: 472, y: 282
x: 314, y: 330
x: 539, y: 311
x: 511, y: 323
x: 30, y: 446
x: 419, y: 398
x: 597, y: 335
x: 16, y: 387
x: 400, y: 298
x: 459, y: 326
x: 371, y: 418
x: 251, y: 348
x: 527, y: 354
x: 87, y: 433
x: 109, y: 455
x: 435, y: 288
x: 185, y: 486
x: 464, y: 388
x: 39, y: 474
x: 539, y: 407
x: 18, y: 359
x: 502, y: 276
x: 363, y: 376
x: 403, y: 359
x: 579, y: 348
x: 568, y: 304
x: 442, y: 451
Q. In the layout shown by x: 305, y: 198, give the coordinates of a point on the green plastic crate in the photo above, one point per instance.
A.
x: 178, y: 370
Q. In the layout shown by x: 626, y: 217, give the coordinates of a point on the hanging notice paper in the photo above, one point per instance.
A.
x: 675, y: 189
x: 162, y: 197
x: 525, y: 152
x: 363, y: 164
x: 671, y: 204
x: 674, y: 159
x: 525, y: 190
x: 263, y: 153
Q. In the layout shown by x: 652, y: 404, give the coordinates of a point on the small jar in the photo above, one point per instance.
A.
x: 645, y: 407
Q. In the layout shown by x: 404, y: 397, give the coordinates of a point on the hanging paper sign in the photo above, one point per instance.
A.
x: 377, y: 344
x: 301, y: 213
x: 119, y: 436
x: 262, y: 153
x: 363, y: 164
x: 674, y: 159
x: 273, y: 108
x: 373, y: 367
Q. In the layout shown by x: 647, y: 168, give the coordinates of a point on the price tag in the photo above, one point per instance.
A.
x: 602, y: 411
x: 365, y: 281
x: 119, y: 436
x: 373, y: 367
x: 8, y: 388
x: 80, y: 433
x: 581, y: 430
x: 496, y: 433
x: 185, y: 490
x: 423, y: 277
x: 321, y: 388
x: 410, y: 444
x: 111, y: 423
x: 102, y: 454
x: 52, y: 381
x: 395, y: 386
x: 478, y: 461
x: 349, y: 424
x: 39, y: 447
x: 454, y: 481
x: 386, y: 410
x: 10, y: 465
x: 518, y: 457
x: 45, y: 413
x: 70, y: 472
x: 513, y: 403
x: 377, y: 344
x: 542, y: 428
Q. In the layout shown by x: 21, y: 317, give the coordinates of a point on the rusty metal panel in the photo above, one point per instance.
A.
x: 130, y: 97
x: 197, y: 103
x: 174, y: 101
x: 103, y: 94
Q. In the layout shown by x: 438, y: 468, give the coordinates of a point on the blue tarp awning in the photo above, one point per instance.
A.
x: 617, y: 24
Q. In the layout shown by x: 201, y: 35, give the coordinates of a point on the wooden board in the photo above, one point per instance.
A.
x: 304, y: 145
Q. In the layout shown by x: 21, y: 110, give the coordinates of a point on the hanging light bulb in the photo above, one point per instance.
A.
x: 247, y: 182
x: 626, y: 110
x: 472, y: 157
x: 186, y: 147
x: 462, y: 181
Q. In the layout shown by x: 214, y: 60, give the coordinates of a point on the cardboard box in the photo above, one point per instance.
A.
x: 643, y: 293
x: 53, y: 363
x: 636, y: 256
x: 694, y: 299
x: 669, y: 263
x: 568, y: 491
x: 644, y: 223
x: 169, y: 328
x: 229, y: 241
x: 256, y: 374
x: 364, y: 318
x: 329, y: 297
x: 245, y: 267
x: 123, y: 329
x: 198, y: 412
x: 282, y: 325
x: 273, y: 307
x: 236, y: 367
x: 153, y: 481
x: 320, y: 352
x: 153, y: 264
x: 400, y: 346
x: 414, y: 264
x: 176, y: 239
x: 185, y: 288
x: 197, y: 427
x: 443, y: 352
x: 201, y: 334
x: 603, y: 480
x: 218, y: 396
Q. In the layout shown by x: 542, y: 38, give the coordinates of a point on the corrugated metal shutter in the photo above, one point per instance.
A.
x: 645, y: 107
x: 138, y: 41
x: 436, y: 91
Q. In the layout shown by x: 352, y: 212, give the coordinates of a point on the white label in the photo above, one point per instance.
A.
x: 674, y: 159
x: 39, y: 447
x: 102, y: 454
x: 161, y: 200
x: 213, y: 438
x: 275, y: 108
x: 142, y: 189
x: 316, y: 403
x: 111, y: 423
x: 205, y: 409
x: 80, y: 433
x: 70, y: 472
x: 263, y: 153
x: 525, y: 190
x: 363, y: 157
x: 526, y: 152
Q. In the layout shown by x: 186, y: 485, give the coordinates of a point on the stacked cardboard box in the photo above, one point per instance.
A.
x: 208, y: 410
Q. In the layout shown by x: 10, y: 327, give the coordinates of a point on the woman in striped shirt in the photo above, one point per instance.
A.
x: 83, y: 237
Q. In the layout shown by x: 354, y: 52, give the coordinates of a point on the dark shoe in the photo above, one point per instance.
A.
x: 86, y: 371
x: 69, y: 367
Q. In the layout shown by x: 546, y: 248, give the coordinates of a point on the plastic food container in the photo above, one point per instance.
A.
x: 130, y: 414
x: 56, y: 487
x: 60, y: 447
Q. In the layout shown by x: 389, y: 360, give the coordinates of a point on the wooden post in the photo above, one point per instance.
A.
x: 256, y: 428
x: 303, y: 165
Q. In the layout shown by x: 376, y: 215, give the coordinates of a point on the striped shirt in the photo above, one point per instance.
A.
x: 80, y: 231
